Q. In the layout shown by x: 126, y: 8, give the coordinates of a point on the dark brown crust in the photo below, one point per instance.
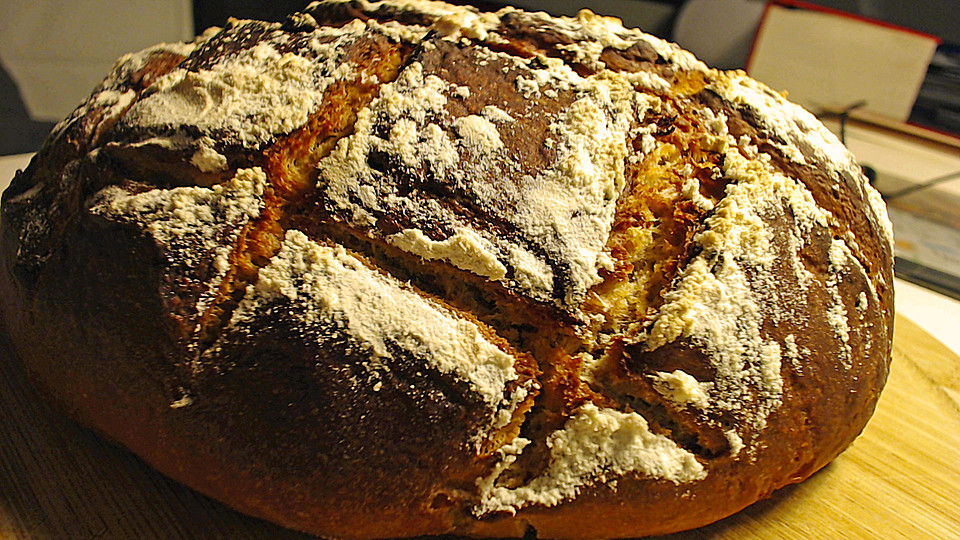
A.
x: 53, y: 170
x: 275, y: 417
x: 842, y: 195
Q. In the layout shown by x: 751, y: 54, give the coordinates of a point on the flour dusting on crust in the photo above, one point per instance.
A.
x: 329, y: 285
x: 251, y: 95
x: 594, y: 445
x: 194, y: 227
x: 568, y: 207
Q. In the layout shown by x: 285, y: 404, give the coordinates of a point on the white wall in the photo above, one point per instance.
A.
x: 57, y: 51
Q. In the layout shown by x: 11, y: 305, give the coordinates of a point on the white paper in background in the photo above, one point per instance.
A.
x: 829, y: 61
x: 58, y: 51
x: 925, y: 242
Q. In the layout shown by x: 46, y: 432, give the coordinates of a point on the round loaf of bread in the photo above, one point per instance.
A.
x: 400, y: 268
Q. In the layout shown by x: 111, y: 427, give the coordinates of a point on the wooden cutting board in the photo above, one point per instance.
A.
x: 900, y: 479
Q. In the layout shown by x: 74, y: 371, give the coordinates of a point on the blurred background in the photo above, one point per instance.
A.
x: 883, y: 74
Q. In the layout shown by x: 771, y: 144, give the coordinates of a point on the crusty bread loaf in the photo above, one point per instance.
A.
x: 400, y: 268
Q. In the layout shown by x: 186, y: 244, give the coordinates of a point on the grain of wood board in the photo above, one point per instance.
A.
x: 900, y: 479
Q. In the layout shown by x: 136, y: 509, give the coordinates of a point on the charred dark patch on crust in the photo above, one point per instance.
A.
x: 46, y: 197
x: 341, y: 13
x: 341, y: 406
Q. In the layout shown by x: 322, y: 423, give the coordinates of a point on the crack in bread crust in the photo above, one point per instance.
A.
x: 290, y: 166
